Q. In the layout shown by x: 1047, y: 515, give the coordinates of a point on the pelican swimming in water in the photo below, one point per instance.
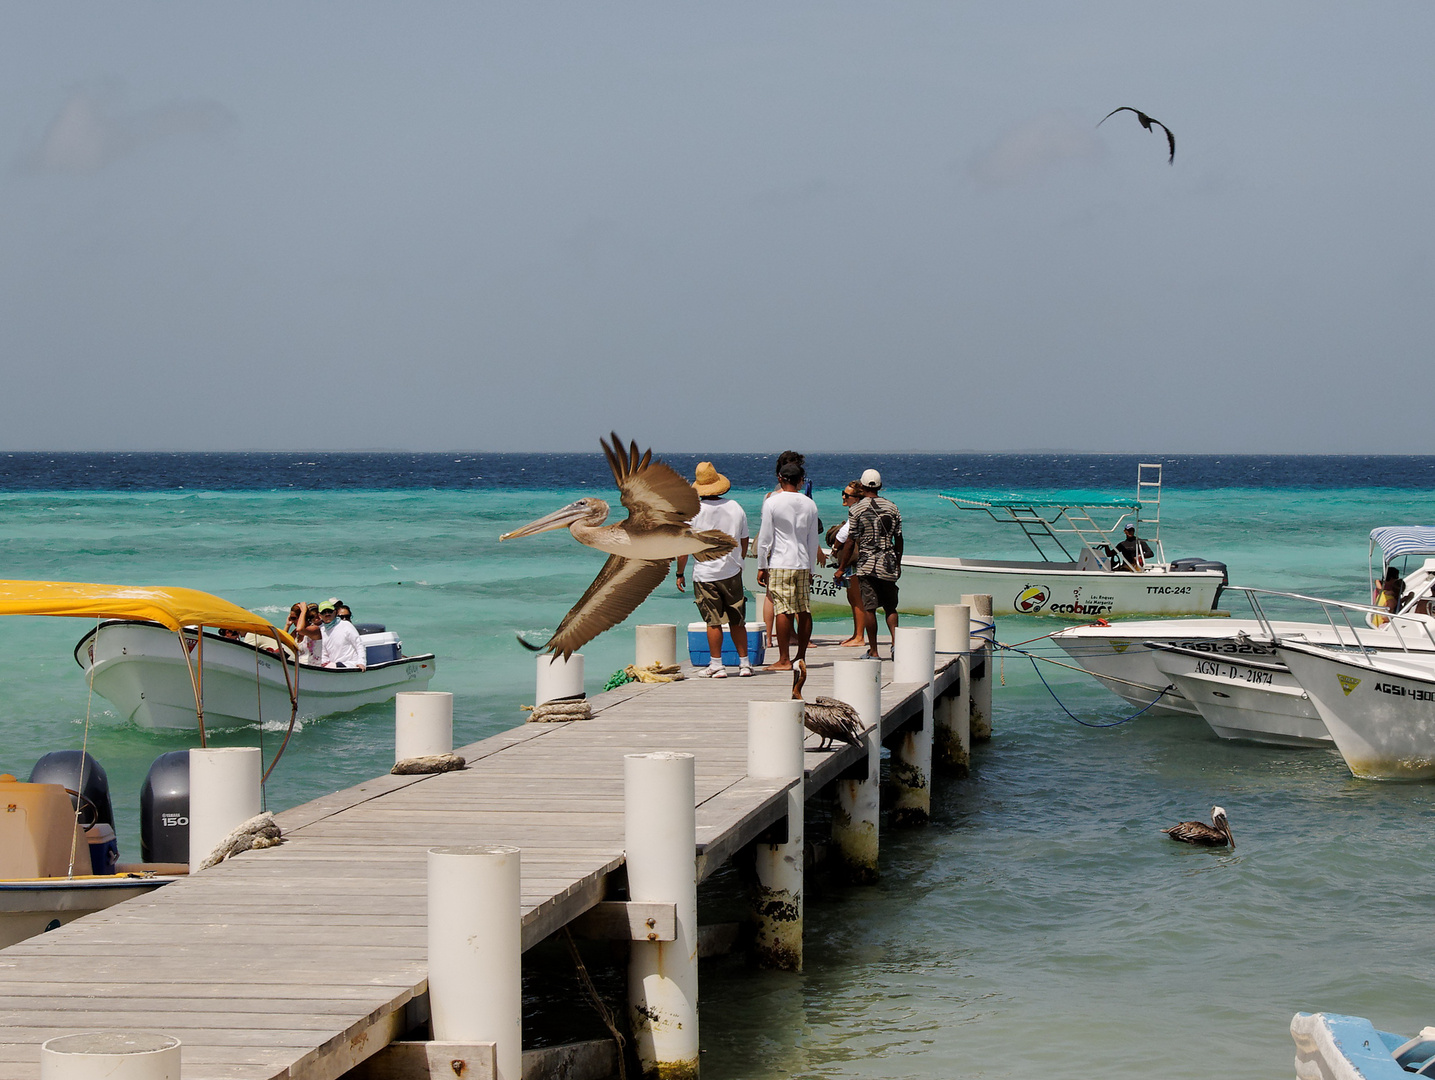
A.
x: 660, y: 504
x: 1216, y: 834
x: 825, y: 716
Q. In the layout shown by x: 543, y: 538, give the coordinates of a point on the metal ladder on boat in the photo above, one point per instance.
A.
x: 1148, y: 495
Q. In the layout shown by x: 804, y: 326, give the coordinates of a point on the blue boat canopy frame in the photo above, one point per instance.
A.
x: 1048, y: 516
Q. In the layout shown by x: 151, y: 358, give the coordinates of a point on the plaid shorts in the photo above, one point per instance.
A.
x: 789, y: 590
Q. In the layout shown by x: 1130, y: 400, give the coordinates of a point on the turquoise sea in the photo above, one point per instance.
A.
x: 1041, y: 925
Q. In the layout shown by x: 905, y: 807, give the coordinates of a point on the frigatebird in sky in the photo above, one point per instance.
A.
x: 1146, y: 122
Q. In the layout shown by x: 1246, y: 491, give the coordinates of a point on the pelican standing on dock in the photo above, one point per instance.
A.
x: 1216, y: 834
x: 640, y: 549
x: 825, y: 716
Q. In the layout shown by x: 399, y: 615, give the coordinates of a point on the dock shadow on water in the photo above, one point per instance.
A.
x: 1043, y: 924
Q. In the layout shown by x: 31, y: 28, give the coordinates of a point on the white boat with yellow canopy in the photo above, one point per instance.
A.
x: 57, y: 842
x: 156, y: 676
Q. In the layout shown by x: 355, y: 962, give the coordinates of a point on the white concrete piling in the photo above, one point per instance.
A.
x: 983, y: 634
x: 559, y: 679
x: 224, y: 793
x: 113, y: 1055
x: 859, y: 800
x: 951, y: 714
x: 475, y: 950
x: 657, y: 643
x: 912, y: 756
x: 660, y: 834
x: 774, y: 750
x: 423, y: 724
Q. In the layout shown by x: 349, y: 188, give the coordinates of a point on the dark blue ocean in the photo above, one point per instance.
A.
x: 38, y: 471
x: 1040, y: 925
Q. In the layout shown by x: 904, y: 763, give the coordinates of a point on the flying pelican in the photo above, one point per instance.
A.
x: 825, y: 716
x: 660, y: 504
x: 1146, y: 122
x: 1216, y: 834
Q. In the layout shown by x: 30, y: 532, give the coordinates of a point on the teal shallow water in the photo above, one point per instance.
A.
x: 1041, y: 924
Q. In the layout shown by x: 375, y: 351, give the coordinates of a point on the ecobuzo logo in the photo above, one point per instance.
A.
x: 1032, y: 599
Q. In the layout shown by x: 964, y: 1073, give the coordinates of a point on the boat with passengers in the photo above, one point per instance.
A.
x: 148, y: 674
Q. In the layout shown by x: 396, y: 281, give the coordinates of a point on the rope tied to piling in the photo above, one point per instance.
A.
x: 596, y: 999
x: 428, y: 763
x: 258, y: 832
x: 557, y: 712
x: 1086, y: 723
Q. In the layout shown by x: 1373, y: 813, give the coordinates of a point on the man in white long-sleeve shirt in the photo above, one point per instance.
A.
x: 342, y: 647
x: 787, y: 554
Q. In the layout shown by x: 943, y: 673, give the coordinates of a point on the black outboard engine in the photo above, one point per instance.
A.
x: 65, y: 767
x: 1187, y: 565
x: 77, y: 771
x: 164, y: 810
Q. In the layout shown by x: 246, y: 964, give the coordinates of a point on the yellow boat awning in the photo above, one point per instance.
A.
x: 169, y: 606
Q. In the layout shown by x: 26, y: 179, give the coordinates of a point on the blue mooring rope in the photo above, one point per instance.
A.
x: 1086, y: 723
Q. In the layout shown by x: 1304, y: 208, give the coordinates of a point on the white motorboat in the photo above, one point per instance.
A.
x: 142, y: 669
x: 1378, y: 706
x: 1080, y: 574
x: 1243, y: 698
x: 1119, y: 654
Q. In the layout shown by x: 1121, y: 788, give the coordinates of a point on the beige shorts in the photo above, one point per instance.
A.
x: 789, y: 590
x: 721, y: 603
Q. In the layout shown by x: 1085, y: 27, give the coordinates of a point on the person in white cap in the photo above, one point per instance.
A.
x: 717, y: 583
x: 874, y: 551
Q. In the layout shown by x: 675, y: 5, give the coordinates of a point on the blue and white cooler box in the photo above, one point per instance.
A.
x: 698, y: 652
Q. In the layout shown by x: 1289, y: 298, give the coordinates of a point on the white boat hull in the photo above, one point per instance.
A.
x: 1119, y: 657
x: 1059, y: 590
x: 28, y: 908
x: 1379, y: 708
x: 1245, y: 699
x: 140, y: 668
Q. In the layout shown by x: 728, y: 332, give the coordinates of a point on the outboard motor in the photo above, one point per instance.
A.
x: 65, y: 767
x: 1186, y: 566
x: 164, y: 810
x: 96, y: 814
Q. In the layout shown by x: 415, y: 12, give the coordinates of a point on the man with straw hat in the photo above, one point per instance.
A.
x: 717, y: 583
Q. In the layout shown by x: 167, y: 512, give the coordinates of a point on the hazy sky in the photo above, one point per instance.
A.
x: 835, y: 226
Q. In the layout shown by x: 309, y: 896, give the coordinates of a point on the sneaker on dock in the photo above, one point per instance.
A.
x: 744, y: 670
x: 715, y: 671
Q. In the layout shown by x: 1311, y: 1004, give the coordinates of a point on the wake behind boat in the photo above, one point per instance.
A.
x: 141, y: 669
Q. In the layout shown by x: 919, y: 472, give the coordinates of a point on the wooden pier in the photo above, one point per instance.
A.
x: 307, y: 959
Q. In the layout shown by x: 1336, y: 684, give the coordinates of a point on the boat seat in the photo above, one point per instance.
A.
x: 1418, y: 1055
x: 37, y: 830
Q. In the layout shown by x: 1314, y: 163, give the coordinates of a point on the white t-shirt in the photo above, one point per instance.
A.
x: 725, y: 516
x: 788, y: 537
x: 842, y: 533
x: 342, y: 645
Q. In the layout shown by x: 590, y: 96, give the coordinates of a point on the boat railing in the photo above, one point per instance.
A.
x: 1360, y: 627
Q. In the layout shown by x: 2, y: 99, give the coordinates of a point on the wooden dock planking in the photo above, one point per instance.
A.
x: 302, y: 960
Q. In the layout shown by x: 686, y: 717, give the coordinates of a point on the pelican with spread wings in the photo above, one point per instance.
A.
x: 640, y: 549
